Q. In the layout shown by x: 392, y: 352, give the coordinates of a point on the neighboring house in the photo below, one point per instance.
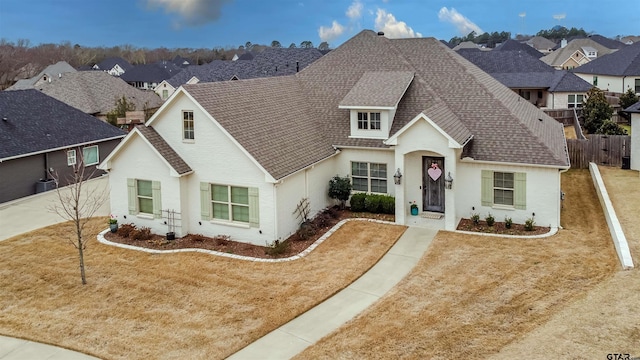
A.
x: 615, y: 72
x: 634, y: 110
x: 628, y: 40
x: 39, y: 134
x: 575, y: 53
x: 47, y: 75
x: 180, y: 61
x: 541, y: 44
x: 467, y: 45
x: 96, y: 92
x: 237, y: 157
x: 115, y: 66
x: 532, y: 79
x: 148, y: 76
x: 269, y: 62
x: 513, y: 45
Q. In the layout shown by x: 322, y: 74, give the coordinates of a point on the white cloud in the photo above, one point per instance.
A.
x: 464, y: 25
x: 327, y: 34
x: 559, y: 16
x: 354, y: 11
x: 393, y: 28
x: 193, y: 12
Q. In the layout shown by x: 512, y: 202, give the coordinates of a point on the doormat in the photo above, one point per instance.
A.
x: 432, y: 215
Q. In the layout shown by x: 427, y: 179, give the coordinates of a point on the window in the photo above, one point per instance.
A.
x: 229, y: 203
x: 369, y: 177
x: 369, y: 121
x: 165, y: 94
x: 187, y: 125
x: 525, y: 94
x: 503, y: 188
x: 595, y: 80
x: 575, y: 101
x: 637, y: 86
x: 90, y: 155
x: 144, y: 194
x: 71, y: 157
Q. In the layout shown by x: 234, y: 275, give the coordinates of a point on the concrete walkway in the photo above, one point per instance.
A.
x: 301, y: 332
x: 18, y: 349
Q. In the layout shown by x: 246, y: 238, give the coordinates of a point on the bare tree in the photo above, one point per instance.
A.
x: 77, y: 202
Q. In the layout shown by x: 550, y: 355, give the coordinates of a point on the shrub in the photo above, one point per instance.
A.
x: 322, y: 220
x: 198, y: 237
x: 529, y: 224
x: 340, y: 189
x: 277, y: 247
x: 144, y: 233
x: 508, y: 222
x: 306, y: 230
x: 221, y: 239
x: 490, y: 220
x: 388, y: 204
x: 357, y: 202
x: 332, y: 212
x: 372, y: 203
x: 475, y: 217
x: 125, y: 230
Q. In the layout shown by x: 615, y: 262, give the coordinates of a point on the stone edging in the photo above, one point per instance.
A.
x: 302, y: 254
x: 552, y: 231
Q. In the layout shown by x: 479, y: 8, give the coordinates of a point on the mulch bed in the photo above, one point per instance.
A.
x: 500, y: 228
x: 290, y: 247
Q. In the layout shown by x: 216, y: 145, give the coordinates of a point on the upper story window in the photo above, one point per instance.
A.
x: 369, y: 121
x: 71, y: 157
x: 165, y: 94
x: 90, y: 155
x: 595, y: 80
x: 188, y: 131
x: 637, y: 86
x: 575, y: 101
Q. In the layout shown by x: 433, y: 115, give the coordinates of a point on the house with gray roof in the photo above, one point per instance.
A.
x: 40, y: 135
x: 535, y: 81
x: 575, y: 53
x: 513, y: 45
x: 115, y: 66
x: 541, y: 44
x: 47, y: 75
x: 148, y: 76
x: 634, y: 110
x: 616, y: 72
x: 416, y: 121
x: 96, y: 92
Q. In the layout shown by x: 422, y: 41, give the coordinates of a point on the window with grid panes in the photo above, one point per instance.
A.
x: 230, y: 203
x: 144, y: 194
x: 187, y: 125
x: 363, y: 120
x: 503, y: 188
x: 369, y: 177
x: 374, y: 120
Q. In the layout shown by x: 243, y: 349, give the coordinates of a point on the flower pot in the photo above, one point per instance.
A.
x: 414, y: 210
x: 171, y: 236
x: 113, y: 227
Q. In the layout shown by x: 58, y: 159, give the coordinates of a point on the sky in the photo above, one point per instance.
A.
x: 230, y: 23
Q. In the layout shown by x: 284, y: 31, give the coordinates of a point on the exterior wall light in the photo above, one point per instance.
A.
x: 448, y: 181
x: 397, y: 176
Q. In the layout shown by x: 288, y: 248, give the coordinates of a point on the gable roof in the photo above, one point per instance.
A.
x: 635, y: 108
x: 153, y: 73
x: 96, y: 92
x: 164, y: 149
x: 37, y: 123
x: 513, y: 45
x: 604, y: 41
x: 560, y: 56
x: 54, y: 70
x: 624, y: 62
x: 540, y: 43
x: 110, y: 62
x: 378, y: 89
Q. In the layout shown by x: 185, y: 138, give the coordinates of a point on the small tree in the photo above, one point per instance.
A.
x: 596, y: 110
x: 78, y: 203
x: 122, y: 106
x: 609, y: 127
x: 340, y: 189
x: 627, y: 99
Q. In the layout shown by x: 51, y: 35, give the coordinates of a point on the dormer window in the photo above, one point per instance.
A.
x: 368, y: 121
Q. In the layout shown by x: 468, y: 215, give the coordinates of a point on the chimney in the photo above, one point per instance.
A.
x: 563, y: 43
x: 380, y: 33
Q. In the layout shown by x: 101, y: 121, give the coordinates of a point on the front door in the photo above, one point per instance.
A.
x: 433, y: 183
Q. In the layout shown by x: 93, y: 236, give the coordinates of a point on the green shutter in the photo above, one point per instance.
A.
x: 520, y: 191
x: 487, y: 188
x: 157, y: 199
x: 205, y: 201
x: 131, y: 187
x: 254, y: 208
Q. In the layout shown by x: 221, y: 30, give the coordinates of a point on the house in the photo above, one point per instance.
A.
x: 575, y: 53
x: 148, y: 76
x: 541, y: 44
x: 513, y: 45
x: 615, y: 72
x: 46, y: 75
x: 535, y: 81
x: 237, y: 157
x: 115, y: 66
x: 634, y: 110
x: 96, y: 92
x: 39, y: 134
x: 269, y: 62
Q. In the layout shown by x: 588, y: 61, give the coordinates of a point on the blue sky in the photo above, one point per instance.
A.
x: 229, y: 23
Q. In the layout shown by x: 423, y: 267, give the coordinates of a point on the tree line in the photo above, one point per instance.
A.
x: 490, y: 40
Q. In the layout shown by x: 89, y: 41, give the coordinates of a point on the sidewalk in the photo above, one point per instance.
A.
x: 18, y: 349
x: 303, y: 331
x: 31, y: 212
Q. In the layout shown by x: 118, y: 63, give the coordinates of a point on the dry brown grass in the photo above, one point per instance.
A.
x: 570, y: 132
x: 148, y: 306
x: 470, y: 296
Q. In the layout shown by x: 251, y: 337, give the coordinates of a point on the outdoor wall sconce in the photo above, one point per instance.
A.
x: 448, y: 181
x: 397, y: 176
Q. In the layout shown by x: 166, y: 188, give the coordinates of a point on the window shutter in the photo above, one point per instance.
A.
x: 131, y: 189
x: 520, y: 191
x: 254, y: 207
x: 205, y: 201
x: 157, y: 200
x: 487, y: 188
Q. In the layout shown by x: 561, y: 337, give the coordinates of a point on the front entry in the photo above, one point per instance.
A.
x: 433, y: 184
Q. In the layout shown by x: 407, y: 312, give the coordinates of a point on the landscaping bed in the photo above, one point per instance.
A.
x: 500, y: 228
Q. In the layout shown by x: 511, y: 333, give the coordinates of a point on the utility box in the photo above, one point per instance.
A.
x: 626, y: 162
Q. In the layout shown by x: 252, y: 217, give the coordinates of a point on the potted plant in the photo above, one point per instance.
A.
x: 414, y: 208
x: 113, y: 224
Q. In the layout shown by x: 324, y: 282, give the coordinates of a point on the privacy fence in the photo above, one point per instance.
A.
x: 607, y: 150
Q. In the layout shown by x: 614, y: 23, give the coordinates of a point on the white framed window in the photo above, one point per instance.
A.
x: 90, y: 155
x: 595, y: 80
x: 368, y: 121
x: 575, y: 100
x: 165, y: 94
x: 71, y: 157
x: 144, y: 196
x: 230, y: 203
x: 503, y: 188
x: 637, y: 83
x: 188, y: 131
x: 369, y: 177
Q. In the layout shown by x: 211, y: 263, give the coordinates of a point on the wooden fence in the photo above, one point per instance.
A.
x: 605, y: 150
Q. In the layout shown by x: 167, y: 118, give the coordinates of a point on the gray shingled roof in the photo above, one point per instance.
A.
x: 163, y: 148
x: 540, y: 43
x: 635, y: 108
x: 378, y: 88
x: 290, y: 122
x: 96, y: 92
x: 624, y: 62
x: 513, y: 45
x: 109, y: 63
x: 150, y: 72
x: 54, y: 70
x: 560, y: 56
x: 36, y: 123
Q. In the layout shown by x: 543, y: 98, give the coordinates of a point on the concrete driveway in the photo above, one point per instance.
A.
x: 32, y: 212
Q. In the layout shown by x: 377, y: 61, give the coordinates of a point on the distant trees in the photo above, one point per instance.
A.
x: 489, y: 40
x: 292, y: 46
x: 306, y: 44
x: 323, y: 46
x: 558, y: 33
x: 276, y: 44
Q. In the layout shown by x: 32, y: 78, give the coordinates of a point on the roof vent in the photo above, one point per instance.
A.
x: 4, y: 118
x: 380, y: 33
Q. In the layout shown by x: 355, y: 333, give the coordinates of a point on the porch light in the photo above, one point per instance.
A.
x: 397, y: 176
x: 448, y: 181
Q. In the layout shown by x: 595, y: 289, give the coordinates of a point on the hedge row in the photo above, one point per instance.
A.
x: 373, y: 203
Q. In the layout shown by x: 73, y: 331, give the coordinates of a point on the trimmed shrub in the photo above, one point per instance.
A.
x: 529, y: 224
x: 490, y: 220
x: 475, y: 217
x: 388, y: 204
x: 358, y: 202
x: 508, y: 222
x: 372, y: 203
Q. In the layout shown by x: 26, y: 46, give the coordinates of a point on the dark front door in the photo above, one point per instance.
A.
x: 433, y: 183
